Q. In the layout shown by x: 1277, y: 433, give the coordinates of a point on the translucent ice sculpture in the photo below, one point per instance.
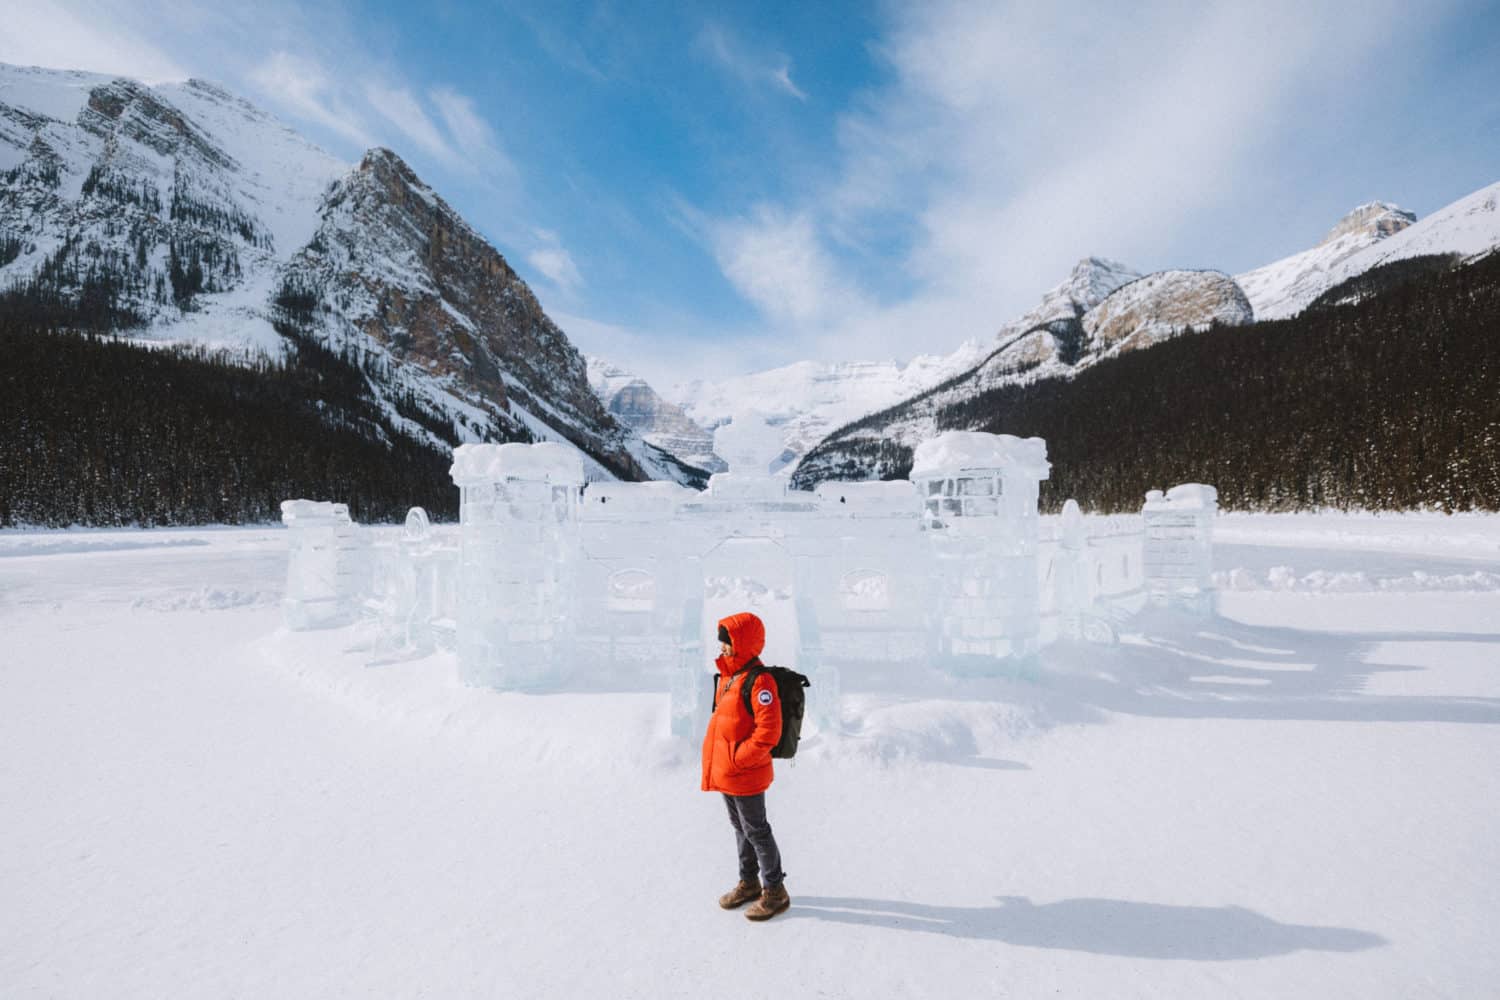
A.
x: 1179, y: 545
x: 518, y: 511
x: 413, y: 598
x: 979, y: 495
x: 326, y: 564
x: 623, y: 582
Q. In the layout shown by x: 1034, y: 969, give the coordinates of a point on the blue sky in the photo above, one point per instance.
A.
x: 701, y: 189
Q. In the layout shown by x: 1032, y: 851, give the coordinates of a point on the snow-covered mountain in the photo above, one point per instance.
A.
x: 1371, y: 235
x: 1467, y: 228
x: 1102, y: 310
x: 181, y: 213
x: 635, y: 404
x: 1138, y: 311
x: 1287, y: 286
x: 810, y: 399
x: 1161, y: 305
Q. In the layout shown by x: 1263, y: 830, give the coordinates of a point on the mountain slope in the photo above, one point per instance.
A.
x: 809, y: 399
x: 1046, y: 343
x: 181, y: 214
x: 1371, y: 250
x: 1389, y: 402
x: 1468, y: 228
x: 1287, y: 286
x: 633, y: 402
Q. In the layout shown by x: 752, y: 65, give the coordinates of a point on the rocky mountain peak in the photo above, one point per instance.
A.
x: 136, y: 112
x: 634, y: 403
x: 1094, y: 278
x: 183, y: 212
x: 1163, y: 304
x: 1377, y: 219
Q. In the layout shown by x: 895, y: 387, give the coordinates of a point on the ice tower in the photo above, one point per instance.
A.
x: 518, y: 511
x: 326, y: 560
x: 979, y: 495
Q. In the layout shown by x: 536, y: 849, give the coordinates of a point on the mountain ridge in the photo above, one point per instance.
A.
x: 182, y: 214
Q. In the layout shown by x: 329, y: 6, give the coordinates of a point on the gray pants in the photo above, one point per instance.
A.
x: 759, y: 857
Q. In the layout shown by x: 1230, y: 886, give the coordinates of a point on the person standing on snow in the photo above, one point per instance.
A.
x: 737, y: 762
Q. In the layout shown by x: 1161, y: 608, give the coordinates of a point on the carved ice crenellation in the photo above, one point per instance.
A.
x: 552, y: 581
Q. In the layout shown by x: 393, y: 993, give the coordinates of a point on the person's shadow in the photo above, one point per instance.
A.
x: 1100, y: 926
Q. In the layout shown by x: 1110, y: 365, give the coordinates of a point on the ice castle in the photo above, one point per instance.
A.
x: 551, y: 577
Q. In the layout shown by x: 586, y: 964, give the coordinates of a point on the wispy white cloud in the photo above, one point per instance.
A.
x: 40, y: 33
x: 776, y: 260
x: 667, y: 353
x: 473, y: 136
x: 1014, y: 139
x: 399, y: 108
x: 553, y: 260
x: 446, y: 127
x: 301, y: 87
x: 769, y: 69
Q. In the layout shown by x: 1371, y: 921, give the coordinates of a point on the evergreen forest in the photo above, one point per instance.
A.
x: 98, y: 431
x: 1383, y: 395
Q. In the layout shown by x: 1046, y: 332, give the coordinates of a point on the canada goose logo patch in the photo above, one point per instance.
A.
x: 764, y: 697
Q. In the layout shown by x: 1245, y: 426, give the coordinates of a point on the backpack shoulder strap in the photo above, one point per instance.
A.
x: 753, y: 670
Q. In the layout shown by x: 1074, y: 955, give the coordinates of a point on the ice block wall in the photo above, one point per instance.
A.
x: 623, y: 582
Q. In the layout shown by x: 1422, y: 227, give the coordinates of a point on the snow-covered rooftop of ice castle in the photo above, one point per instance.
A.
x: 546, y: 462
x: 957, y: 452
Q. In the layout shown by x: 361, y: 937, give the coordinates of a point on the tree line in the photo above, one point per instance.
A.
x: 98, y: 431
x: 1385, y: 395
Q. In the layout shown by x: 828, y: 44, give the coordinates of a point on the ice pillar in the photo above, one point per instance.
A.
x: 1178, y: 553
x: 322, y: 580
x: 1072, y: 585
x: 518, y: 516
x: 979, y: 494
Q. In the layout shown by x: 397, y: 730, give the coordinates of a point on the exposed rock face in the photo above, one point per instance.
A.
x: 184, y: 213
x: 635, y: 404
x: 1093, y: 279
x: 1376, y: 219
x: 395, y: 262
x: 128, y: 201
x: 1051, y: 331
x: 1103, y: 308
x: 1163, y: 304
x: 1287, y: 286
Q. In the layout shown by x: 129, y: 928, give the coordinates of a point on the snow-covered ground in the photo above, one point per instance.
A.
x: 1299, y: 798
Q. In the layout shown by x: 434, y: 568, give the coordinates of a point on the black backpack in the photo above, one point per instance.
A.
x: 793, y: 699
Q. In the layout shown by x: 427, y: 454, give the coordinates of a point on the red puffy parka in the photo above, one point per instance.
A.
x: 737, y: 747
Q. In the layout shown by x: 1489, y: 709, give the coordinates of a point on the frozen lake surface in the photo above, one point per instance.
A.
x: 1299, y: 798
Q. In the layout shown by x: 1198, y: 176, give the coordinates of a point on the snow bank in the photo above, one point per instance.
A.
x: 1324, y: 581
x: 208, y: 598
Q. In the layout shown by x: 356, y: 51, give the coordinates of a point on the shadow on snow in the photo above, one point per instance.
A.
x: 1097, y: 926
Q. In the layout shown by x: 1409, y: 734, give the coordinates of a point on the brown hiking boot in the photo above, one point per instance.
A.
x: 740, y: 895
x: 771, y: 902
